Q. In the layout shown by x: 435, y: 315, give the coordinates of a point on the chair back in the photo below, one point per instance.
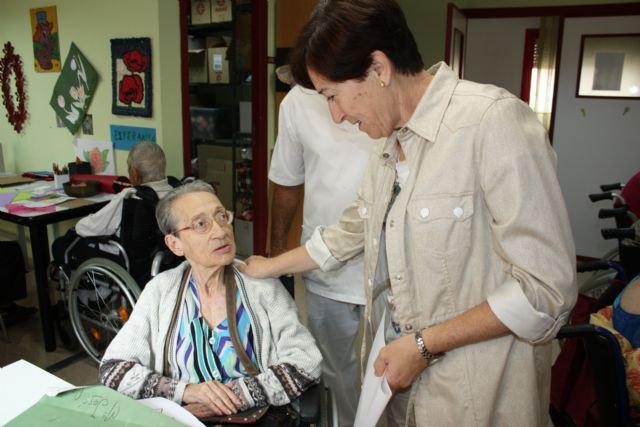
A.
x: 139, y: 232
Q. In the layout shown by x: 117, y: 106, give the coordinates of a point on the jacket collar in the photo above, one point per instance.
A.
x: 428, y: 115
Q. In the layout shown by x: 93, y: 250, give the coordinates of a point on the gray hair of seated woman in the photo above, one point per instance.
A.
x: 164, y: 210
x: 149, y: 160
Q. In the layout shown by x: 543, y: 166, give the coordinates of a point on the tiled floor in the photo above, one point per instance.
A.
x: 26, y: 343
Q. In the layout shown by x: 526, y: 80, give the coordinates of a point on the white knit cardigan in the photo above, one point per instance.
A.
x: 288, y: 359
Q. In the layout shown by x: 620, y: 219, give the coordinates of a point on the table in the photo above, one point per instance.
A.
x: 37, y: 224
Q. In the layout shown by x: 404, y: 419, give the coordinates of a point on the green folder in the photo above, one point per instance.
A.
x: 91, y: 406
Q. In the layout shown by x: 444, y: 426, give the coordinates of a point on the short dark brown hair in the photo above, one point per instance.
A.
x: 340, y: 36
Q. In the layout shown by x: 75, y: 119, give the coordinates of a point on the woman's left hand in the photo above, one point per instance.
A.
x: 401, y: 362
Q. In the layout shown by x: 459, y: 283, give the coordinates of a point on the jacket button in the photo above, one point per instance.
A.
x: 457, y: 212
x: 408, y: 327
x: 424, y: 212
x: 385, y: 155
x: 398, y: 276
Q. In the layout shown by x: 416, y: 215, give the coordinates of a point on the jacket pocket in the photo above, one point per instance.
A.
x: 441, y: 223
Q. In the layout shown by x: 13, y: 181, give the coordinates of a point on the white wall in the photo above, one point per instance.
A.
x: 598, y: 147
x: 494, y: 49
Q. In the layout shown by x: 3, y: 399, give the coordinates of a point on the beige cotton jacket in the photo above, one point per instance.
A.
x: 480, y: 218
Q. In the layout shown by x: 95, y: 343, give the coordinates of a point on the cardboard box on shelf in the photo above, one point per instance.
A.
x: 221, y: 11
x: 200, y: 12
x: 217, y: 61
x: 198, y: 66
x: 216, y: 168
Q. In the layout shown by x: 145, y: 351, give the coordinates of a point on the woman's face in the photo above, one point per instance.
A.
x: 214, y: 248
x: 364, y: 103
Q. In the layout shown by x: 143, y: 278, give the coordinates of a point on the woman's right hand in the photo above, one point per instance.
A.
x: 210, y: 398
x: 256, y: 266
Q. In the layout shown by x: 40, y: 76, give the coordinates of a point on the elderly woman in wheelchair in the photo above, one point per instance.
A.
x: 203, y: 334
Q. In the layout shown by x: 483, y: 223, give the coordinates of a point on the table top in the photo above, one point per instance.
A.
x: 39, y: 202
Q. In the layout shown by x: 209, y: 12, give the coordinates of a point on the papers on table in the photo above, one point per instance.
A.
x: 31, y: 396
x: 23, y: 384
x: 375, y: 393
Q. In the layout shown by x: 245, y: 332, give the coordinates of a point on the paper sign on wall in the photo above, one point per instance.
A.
x: 125, y: 137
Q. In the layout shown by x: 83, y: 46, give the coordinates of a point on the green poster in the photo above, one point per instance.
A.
x: 74, y: 89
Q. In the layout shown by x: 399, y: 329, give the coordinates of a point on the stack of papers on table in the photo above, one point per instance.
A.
x: 31, y: 396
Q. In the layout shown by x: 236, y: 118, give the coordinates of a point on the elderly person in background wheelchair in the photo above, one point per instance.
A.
x: 180, y: 341
x: 146, y: 164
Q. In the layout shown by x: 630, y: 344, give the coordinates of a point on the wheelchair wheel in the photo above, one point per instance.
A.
x: 101, y: 297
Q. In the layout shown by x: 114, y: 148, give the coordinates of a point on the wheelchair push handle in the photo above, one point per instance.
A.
x: 620, y: 212
x: 618, y: 233
x: 611, y: 187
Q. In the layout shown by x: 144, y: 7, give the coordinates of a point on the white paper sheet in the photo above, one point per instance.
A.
x: 172, y: 410
x: 98, y: 153
x: 22, y: 385
x: 375, y: 392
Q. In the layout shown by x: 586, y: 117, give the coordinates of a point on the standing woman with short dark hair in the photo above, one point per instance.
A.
x: 465, y: 234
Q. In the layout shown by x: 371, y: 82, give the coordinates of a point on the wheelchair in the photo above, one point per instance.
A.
x: 102, y: 277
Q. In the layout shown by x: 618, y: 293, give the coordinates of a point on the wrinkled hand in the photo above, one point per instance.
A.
x: 257, y: 266
x: 210, y: 398
x: 401, y: 362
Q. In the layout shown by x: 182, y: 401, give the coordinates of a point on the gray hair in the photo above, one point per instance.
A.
x: 164, y: 212
x: 149, y: 160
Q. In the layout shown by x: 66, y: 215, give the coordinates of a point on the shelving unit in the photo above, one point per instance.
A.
x: 224, y: 113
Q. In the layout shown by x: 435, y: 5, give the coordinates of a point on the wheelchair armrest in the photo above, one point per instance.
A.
x: 310, y: 404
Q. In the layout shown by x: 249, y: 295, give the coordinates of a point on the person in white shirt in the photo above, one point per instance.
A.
x: 146, y: 164
x: 328, y: 161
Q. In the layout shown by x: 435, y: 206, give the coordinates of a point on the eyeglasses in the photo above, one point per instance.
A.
x: 202, y: 225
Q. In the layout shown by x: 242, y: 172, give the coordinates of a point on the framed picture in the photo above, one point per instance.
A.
x: 609, y: 66
x: 457, y: 52
x: 131, y: 77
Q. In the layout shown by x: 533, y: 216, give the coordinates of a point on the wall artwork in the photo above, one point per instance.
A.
x: 609, y: 66
x: 98, y: 153
x: 46, y: 46
x: 74, y: 89
x: 12, y: 81
x: 131, y: 77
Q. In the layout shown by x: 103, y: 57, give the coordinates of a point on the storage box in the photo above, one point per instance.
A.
x: 245, y: 117
x: 218, y: 65
x: 216, y: 168
x: 221, y: 11
x: 200, y: 12
x: 198, y: 66
x: 210, y: 124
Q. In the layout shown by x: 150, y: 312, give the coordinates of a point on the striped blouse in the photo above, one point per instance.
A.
x: 208, y: 353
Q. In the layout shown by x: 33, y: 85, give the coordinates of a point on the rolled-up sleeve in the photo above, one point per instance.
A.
x: 530, y: 223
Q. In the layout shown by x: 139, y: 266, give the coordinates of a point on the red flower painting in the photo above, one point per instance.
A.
x: 135, y: 61
x: 131, y: 89
x: 131, y: 60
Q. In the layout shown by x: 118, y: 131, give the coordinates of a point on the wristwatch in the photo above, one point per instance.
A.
x: 424, y: 351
